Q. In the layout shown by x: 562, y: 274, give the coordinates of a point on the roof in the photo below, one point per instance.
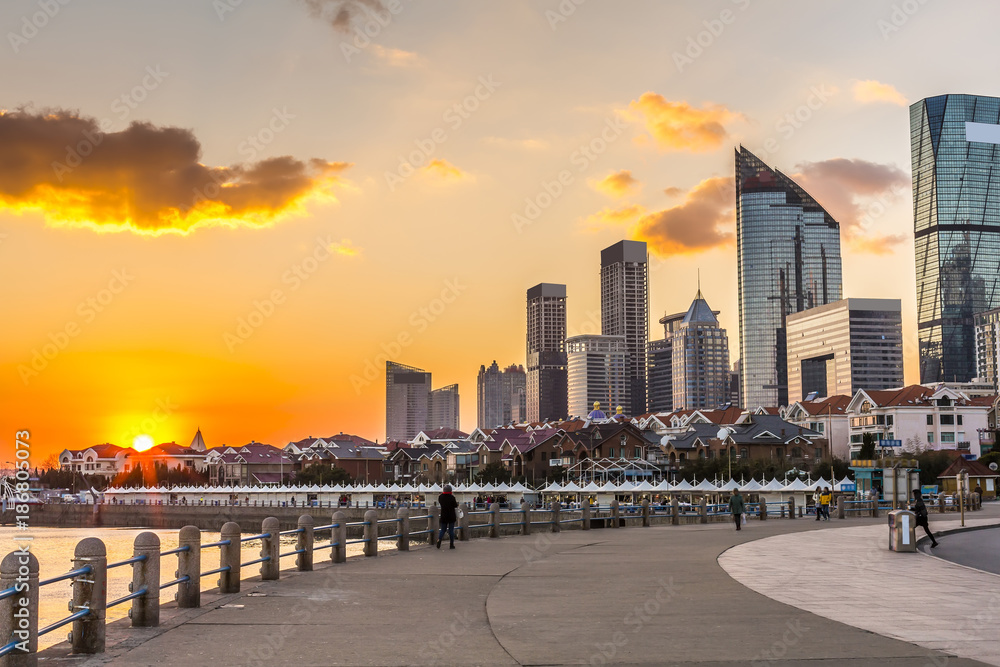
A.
x: 699, y: 312
x: 106, y: 451
x: 832, y: 405
x: 756, y: 431
x: 445, y: 434
x: 170, y: 449
x: 974, y: 468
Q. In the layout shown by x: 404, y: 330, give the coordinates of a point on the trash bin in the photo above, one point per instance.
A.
x: 902, y: 530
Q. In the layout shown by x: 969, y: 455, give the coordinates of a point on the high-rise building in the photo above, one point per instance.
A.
x: 546, y: 352
x: 955, y: 154
x: 625, y: 310
x: 407, y: 401
x: 598, y: 373
x: 501, y: 395
x: 700, y: 359
x: 659, y: 376
x: 735, y: 386
x: 788, y: 254
x: 988, y: 347
x: 444, y: 408
x: 845, y: 346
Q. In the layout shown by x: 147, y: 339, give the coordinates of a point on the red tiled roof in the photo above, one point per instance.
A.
x: 833, y: 405
x: 983, y: 400
x: 445, y: 434
x: 974, y: 468
x: 911, y: 395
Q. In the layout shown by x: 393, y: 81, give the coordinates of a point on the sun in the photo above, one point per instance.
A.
x: 142, y: 442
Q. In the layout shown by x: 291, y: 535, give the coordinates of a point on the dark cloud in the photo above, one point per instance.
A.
x: 342, y: 14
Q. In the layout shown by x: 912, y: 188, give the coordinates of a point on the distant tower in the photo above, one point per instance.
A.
x: 598, y: 372
x: 443, y: 407
x: 198, y: 443
x: 407, y: 401
x: 700, y: 359
x: 546, y: 352
x: 625, y: 310
x: 501, y: 395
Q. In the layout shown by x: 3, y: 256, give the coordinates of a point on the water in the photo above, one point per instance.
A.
x: 54, y: 549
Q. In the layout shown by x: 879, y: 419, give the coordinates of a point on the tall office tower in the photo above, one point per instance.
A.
x: 407, y: 401
x: 955, y: 154
x: 988, y: 347
x: 598, y: 368
x: 788, y: 254
x: 735, y: 387
x: 845, y: 346
x: 444, y: 408
x: 625, y: 310
x: 700, y: 359
x: 546, y: 352
x: 659, y: 376
x: 501, y: 395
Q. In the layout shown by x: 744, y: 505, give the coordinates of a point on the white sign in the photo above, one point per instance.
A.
x: 555, y: 462
x: 986, y: 133
x: 906, y: 529
x: 989, y: 483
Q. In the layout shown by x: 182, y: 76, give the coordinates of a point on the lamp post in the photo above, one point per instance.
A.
x: 722, y: 435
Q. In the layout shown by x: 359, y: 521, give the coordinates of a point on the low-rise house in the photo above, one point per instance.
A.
x: 252, y: 464
x: 979, y: 475
x: 105, y: 460
x: 360, y: 458
x: 826, y: 416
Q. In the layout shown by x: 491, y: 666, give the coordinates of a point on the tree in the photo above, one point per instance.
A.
x: 494, y: 473
x: 319, y: 473
x: 914, y: 445
x: 867, y: 452
x: 831, y: 469
x: 992, y: 457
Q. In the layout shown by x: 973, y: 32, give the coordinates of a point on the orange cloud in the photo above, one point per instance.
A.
x: 345, y: 249
x: 445, y: 170
x: 608, y: 217
x: 616, y: 184
x: 144, y: 179
x: 678, y: 126
x: 871, y: 91
x: 704, y: 221
x: 395, y: 57
x: 526, y: 144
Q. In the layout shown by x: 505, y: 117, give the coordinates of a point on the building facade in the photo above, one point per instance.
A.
x: 411, y: 406
x: 625, y: 310
x: 788, y: 255
x: 845, y: 346
x: 546, y: 352
x: 700, y: 359
x: 988, y: 347
x: 659, y: 376
x: 955, y: 158
x: 598, y: 372
x: 501, y: 395
x: 444, y: 407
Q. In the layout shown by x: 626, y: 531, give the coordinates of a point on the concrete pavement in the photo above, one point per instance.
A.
x: 628, y: 596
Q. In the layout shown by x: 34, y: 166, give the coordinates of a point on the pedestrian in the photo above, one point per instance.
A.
x: 448, y: 515
x: 817, y: 494
x: 736, y: 507
x: 921, y: 511
x: 825, y: 499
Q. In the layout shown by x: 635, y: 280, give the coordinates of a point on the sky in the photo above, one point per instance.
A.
x: 226, y: 215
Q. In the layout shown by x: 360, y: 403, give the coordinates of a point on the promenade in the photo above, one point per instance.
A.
x: 629, y: 596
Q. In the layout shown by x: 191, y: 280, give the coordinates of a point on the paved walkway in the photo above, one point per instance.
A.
x: 651, y: 596
x: 848, y: 575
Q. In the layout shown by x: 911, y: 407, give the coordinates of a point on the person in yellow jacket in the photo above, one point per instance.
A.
x: 825, y: 499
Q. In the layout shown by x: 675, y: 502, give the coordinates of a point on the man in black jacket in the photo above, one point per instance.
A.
x: 448, y: 515
x: 921, y: 511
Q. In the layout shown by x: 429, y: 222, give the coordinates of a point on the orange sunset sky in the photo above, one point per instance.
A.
x: 224, y: 215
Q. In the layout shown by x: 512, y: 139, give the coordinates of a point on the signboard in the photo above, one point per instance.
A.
x: 929, y: 490
x: 849, y: 488
x: 890, y: 443
x: 555, y: 462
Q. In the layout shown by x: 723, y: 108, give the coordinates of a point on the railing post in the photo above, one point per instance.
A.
x: 585, y: 522
x: 188, y: 594
x: 434, y: 523
x: 526, y: 518
x: 229, y: 554
x: 304, y: 560
x: 145, y: 611
x: 338, y: 536
x: 495, y: 520
x: 371, y: 533
x: 875, y: 508
x: 403, y: 520
x: 556, y: 516
x: 791, y: 507
x: 90, y: 591
x: 841, y: 507
x: 13, y: 611
x: 270, y: 570
x: 645, y: 512
x: 463, y: 524
x: 940, y: 503
x: 615, y: 513
x: 675, y: 511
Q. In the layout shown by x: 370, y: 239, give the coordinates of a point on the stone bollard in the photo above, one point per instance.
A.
x: 615, y: 513
x: 875, y: 508
x: 800, y: 511
x: 434, y: 523
x: 463, y: 523
x: 763, y: 509
x: 371, y: 533
x: 188, y: 594
x: 403, y: 521
x: 90, y: 591
x: 338, y: 537
x: 495, y: 520
x: 940, y: 503
x: 270, y: 546
x: 556, y: 516
x: 304, y: 544
x: 841, y: 508
x: 525, y: 518
x: 675, y: 511
x: 585, y: 521
x: 145, y: 611
x: 703, y: 510
x: 230, y: 556
x: 19, y: 622
x: 782, y: 510
x: 645, y: 513
x: 791, y: 507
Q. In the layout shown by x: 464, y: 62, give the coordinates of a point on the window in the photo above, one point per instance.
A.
x: 744, y: 453
x: 959, y: 420
x: 930, y: 420
x: 779, y: 452
x: 637, y: 453
x: 611, y: 452
x: 545, y: 456
x: 947, y: 436
x: 930, y: 438
x: 947, y: 420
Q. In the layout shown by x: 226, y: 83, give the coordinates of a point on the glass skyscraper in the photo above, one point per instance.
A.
x: 625, y: 310
x: 788, y: 254
x: 955, y: 153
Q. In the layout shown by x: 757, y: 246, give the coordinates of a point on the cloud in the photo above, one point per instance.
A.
x: 395, y: 57
x: 858, y: 193
x: 677, y: 126
x: 870, y: 91
x: 345, y: 249
x: 608, y: 217
x: 144, y: 179
x: 525, y: 144
x: 705, y: 220
x: 672, y: 191
x: 616, y: 184
x: 445, y: 170
x: 343, y: 14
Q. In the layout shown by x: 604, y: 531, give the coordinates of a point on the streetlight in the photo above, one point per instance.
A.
x: 724, y: 433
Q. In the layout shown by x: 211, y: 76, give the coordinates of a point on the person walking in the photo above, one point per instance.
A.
x: 449, y: 515
x: 736, y: 507
x: 817, y: 494
x: 825, y: 498
x: 921, y: 511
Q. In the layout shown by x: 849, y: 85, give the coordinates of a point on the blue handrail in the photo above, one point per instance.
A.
x: 86, y: 569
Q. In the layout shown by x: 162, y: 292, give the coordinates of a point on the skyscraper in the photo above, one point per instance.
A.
x: 845, y: 346
x: 700, y: 359
x: 546, y: 352
x: 788, y: 254
x: 411, y: 406
x: 988, y: 347
x: 598, y: 372
x: 501, y: 395
x: 625, y: 310
x: 443, y: 408
x: 659, y: 376
x: 955, y: 154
